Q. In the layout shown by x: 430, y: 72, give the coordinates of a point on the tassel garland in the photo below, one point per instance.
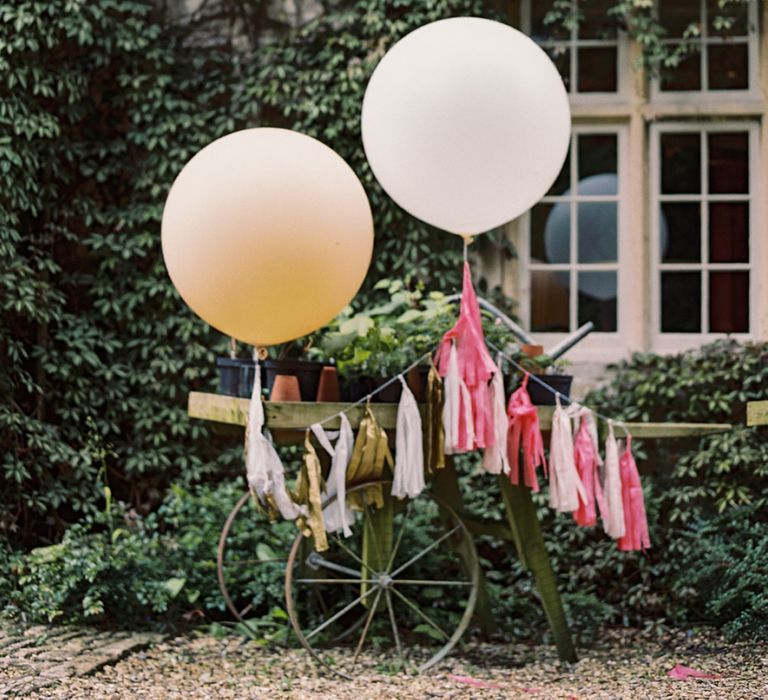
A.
x: 409, y: 453
x: 337, y: 514
x: 308, y: 489
x: 565, y: 488
x: 635, y: 523
x: 587, y: 460
x: 524, y: 432
x: 434, y: 433
x: 613, y: 515
x: 495, y: 457
x: 369, y: 456
x: 263, y: 467
x: 468, y: 397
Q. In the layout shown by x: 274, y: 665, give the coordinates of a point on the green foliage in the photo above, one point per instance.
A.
x: 102, y: 104
x: 314, y: 82
x: 639, y: 19
x: 724, y: 572
x: 130, y: 570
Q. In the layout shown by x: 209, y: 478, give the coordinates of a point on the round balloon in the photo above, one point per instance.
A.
x: 466, y: 123
x: 267, y: 234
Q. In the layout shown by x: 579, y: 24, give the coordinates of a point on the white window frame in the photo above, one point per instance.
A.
x: 598, y: 346
x: 573, y: 43
x: 753, y: 57
x: 675, y: 342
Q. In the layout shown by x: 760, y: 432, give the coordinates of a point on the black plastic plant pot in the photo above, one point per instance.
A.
x: 541, y: 396
x: 236, y: 376
x: 359, y: 388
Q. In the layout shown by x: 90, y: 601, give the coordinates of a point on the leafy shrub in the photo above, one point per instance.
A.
x: 724, y: 572
x: 131, y: 570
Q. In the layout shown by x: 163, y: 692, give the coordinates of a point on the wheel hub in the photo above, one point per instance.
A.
x: 386, y: 581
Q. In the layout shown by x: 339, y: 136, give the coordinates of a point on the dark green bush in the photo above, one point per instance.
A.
x: 133, y: 570
x: 103, y: 101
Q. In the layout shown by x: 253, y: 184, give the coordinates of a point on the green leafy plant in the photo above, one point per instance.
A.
x: 132, y: 570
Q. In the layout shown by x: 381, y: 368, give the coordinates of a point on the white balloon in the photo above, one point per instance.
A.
x: 466, y: 123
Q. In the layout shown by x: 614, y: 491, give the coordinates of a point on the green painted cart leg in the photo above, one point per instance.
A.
x: 445, y: 486
x: 524, y: 523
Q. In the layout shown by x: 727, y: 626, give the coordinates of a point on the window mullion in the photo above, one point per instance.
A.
x: 704, y: 217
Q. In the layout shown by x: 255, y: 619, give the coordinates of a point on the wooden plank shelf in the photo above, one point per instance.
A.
x: 757, y: 413
x: 298, y: 415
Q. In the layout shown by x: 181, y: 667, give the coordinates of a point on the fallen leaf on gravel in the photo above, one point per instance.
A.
x: 468, y: 680
x: 684, y: 673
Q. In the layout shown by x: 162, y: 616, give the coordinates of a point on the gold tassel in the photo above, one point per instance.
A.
x: 369, y: 455
x: 308, y: 489
x: 434, y: 433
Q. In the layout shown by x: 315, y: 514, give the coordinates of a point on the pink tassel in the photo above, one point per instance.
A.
x: 587, y: 461
x: 613, y: 513
x: 635, y: 523
x: 566, y: 492
x: 475, y: 371
x: 524, y: 432
x: 495, y: 457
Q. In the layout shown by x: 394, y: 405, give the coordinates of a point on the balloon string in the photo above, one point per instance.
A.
x: 467, y: 242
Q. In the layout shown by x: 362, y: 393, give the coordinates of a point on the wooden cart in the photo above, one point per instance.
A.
x: 362, y: 587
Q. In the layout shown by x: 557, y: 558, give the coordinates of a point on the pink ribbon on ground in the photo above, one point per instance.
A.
x: 476, y: 368
x: 524, y: 432
x: 684, y: 673
x: 587, y: 460
x: 635, y: 523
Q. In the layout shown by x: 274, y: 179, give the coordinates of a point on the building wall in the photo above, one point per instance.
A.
x: 638, y: 110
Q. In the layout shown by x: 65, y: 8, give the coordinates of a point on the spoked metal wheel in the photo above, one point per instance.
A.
x: 250, y: 559
x: 409, y: 572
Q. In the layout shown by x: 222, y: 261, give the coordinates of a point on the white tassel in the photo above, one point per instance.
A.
x: 409, y: 451
x: 262, y: 463
x: 495, y: 457
x: 452, y: 387
x: 613, y: 518
x: 565, y: 487
x: 338, y: 515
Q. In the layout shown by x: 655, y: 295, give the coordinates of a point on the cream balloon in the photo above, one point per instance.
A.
x: 267, y: 234
x: 466, y: 123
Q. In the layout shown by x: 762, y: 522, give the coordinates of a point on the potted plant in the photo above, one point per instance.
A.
x: 372, y: 346
x: 236, y: 374
x: 552, y: 373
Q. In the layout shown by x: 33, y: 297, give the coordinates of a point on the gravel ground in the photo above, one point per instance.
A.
x: 622, y: 665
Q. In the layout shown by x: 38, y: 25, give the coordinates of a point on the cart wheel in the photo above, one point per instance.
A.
x: 415, y: 606
x: 250, y: 559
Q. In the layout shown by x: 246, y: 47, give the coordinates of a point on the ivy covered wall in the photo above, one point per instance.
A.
x: 101, y: 104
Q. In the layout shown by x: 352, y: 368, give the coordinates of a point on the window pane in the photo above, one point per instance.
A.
x: 596, y: 22
x: 597, y: 300
x: 597, y: 232
x: 729, y: 302
x: 727, y: 67
x: 676, y: 15
x: 684, y: 76
x: 550, y: 297
x: 541, y: 31
x: 737, y: 12
x: 597, y: 156
x: 597, y: 69
x: 728, y: 232
x: 729, y: 162
x: 680, y: 163
x: 563, y: 182
x: 681, y: 302
x: 680, y: 232
x: 551, y: 233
